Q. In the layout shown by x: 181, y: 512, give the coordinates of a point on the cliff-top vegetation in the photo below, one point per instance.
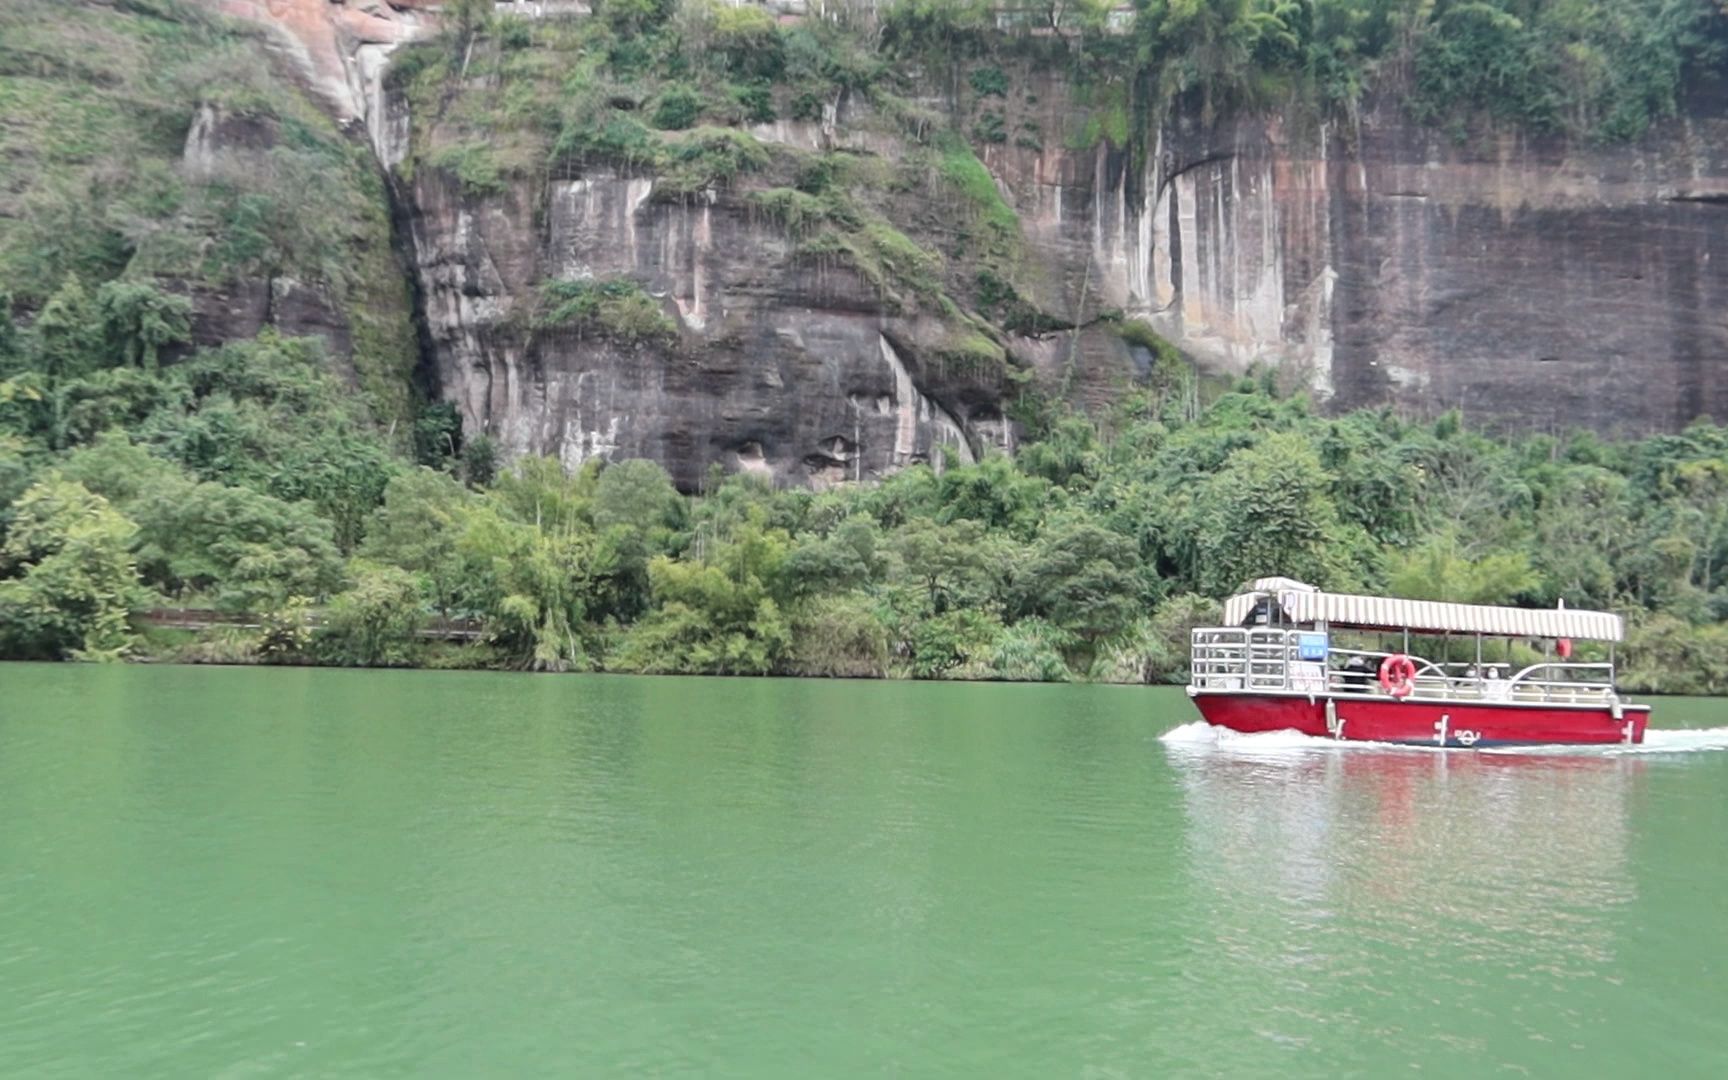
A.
x: 1599, y: 69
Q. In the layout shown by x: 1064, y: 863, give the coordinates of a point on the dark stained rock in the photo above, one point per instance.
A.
x: 798, y: 372
x: 1532, y: 283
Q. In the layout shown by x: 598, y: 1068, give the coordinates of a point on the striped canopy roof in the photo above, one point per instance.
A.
x: 1302, y: 603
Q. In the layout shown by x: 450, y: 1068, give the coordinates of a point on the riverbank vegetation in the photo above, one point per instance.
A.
x: 247, y: 479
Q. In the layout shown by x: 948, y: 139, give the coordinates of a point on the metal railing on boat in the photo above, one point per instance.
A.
x: 1272, y: 661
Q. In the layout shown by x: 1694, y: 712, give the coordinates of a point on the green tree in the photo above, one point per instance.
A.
x: 639, y: 496
x: 68, y: 337
x: 374, y: 622
x: 850, y: 555
x: 267, y: 414
x: 639, y: 515
x: 995, y: 494
x: 1440, y: 569
x: 247, y: 550
x: 469, y: 18
x: 1080, y: 578
x: 72, y: 581
x: 119, y: 470
x: 1212, y: 45
x: 11, y: 347
x: 480, y: 458
x: 537, y: 491
x: 1583, y: 535
x: 533, y: 586
x: 1665, y: 654
x: 437, y: 434
x: 1069, y: 456
x: 69, y: 333
x: 139, y: 320
x: 419, y: 529
x: 951, y: 565
x: 1266, y: 513
x: 721, y: 617
x: 630, y: 17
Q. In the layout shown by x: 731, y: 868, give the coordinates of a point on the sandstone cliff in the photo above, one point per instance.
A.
x: 1530, y: 282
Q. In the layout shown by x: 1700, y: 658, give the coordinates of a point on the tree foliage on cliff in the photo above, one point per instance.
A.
x: 1600, y: 68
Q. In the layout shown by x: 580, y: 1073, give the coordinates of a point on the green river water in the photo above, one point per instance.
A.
x: 249, y: 872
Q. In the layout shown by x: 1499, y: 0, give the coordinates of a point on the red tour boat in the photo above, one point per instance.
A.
x: 1281, y: 662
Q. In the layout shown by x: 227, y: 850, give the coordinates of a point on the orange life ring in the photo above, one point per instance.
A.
x: 1398, y: 675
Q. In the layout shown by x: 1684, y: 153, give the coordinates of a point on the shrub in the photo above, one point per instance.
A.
x: 679, y: 108
x: 970, y: 351
x: 807, y: 105
x: 710, y: 157
x: 516, y: 34
x: 747, y: 40
x: 795, y: 211
x: 616, y: 309
x: 1155, y: 649
x: 962, y: 169
x: 991, y: 128
x: 757, y: 102
x: 1138, y: 332
x: 838, y: 637
x: 953, y: 644
x: 474, y: 166
x: 1031, y: 651
x: 631, y: 17
x: 373, y: 623
x: 943, y: 29
x: 988, y: 82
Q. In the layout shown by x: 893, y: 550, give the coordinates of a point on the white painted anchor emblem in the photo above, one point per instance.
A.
x: 1465, y: 736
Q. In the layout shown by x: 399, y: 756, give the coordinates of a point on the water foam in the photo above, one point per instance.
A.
x: 1199, y: 735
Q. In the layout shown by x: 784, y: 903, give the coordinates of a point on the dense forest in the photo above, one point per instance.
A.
x: 343, y: 505
x: 248, y: 478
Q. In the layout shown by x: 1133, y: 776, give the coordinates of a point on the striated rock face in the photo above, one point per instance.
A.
x: 1531, y: 283
x: 780, y: 368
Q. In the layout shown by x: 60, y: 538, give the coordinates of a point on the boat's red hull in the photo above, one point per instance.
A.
x: 1430, y: 723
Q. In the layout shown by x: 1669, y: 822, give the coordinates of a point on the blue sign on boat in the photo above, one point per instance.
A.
x: 1311, y: 646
